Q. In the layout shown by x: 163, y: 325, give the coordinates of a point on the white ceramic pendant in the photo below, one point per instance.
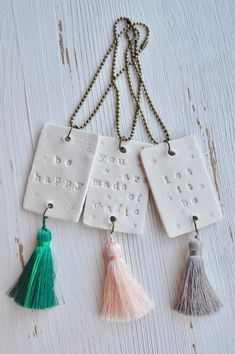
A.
x: 60, y: 172
x: 181, y: 186
x: 117, y: 188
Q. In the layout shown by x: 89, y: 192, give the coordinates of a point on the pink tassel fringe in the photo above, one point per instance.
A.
x: 123, y: 298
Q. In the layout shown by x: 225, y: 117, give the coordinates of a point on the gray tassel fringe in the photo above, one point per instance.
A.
x: 197, y: 297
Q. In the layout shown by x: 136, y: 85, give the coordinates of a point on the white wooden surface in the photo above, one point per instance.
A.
x: 49, y: 51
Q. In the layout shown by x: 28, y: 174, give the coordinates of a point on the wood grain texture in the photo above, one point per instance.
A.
x: 49, y: 51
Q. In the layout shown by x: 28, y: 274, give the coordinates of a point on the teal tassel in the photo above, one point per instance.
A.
x: 34, y: 289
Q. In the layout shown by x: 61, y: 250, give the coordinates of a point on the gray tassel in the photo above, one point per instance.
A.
x: 197, y: 297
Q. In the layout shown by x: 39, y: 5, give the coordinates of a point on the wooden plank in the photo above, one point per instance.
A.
x: 49, y: 52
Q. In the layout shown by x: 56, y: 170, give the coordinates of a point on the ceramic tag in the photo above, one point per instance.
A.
x: 60, y: 172
x: 181, y: 186
x: 117, y: 187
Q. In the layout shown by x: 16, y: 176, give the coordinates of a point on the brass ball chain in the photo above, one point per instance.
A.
x: 132, y: 54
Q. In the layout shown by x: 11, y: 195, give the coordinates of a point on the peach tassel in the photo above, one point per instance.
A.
x: 123, y: 297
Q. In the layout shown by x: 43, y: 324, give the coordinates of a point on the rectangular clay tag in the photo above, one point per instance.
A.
x: 181, y: 186
x: 61, y: 172
x: 117, y: 188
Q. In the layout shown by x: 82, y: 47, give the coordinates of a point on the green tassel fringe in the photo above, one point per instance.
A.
x: 35, y: 287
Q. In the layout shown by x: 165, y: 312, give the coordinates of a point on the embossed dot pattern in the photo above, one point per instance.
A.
x: 117, y: 187
x: 60, y: 172
x: 181, y: 186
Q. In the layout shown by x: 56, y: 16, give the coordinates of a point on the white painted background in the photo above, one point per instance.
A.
x: 48, y: 52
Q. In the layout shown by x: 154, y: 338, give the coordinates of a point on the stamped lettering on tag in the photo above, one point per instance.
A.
x: 117, y: 187
x: 181, y: 186
x: 61, y: 172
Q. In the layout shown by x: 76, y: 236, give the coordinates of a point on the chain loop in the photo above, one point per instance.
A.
x: 131, y: 57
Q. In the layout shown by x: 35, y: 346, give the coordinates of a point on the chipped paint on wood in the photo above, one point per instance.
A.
x: 21, y: 255
x: 189, y: 94
x: 213, y: 160
x: 35, y: 331
x: 231, y: 233
x: 190, y: 99
x: 194, y: 348
x: 199, y: 123
x: 212, y: 156
x: 21, y: 252
x: 61, y: 43
x: 60, y: 27
x: 75, y: 58
x: 67, y: 58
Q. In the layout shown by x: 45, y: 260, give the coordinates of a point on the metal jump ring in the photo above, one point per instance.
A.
x: 121, y: 148
x: 170, y: 152
x: 68, y: 137
x: 195, y: 218
x: 113, y: 219
x: 48, y: 206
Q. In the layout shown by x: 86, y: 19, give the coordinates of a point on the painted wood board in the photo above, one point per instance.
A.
x: 49, y: 52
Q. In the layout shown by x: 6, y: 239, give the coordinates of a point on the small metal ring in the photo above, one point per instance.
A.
x: 170, y: 152
x: 195, y: 219
x: 67, y: 138
x: 113, y: 219
x: 48, y: 206
x: 122, y: 148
